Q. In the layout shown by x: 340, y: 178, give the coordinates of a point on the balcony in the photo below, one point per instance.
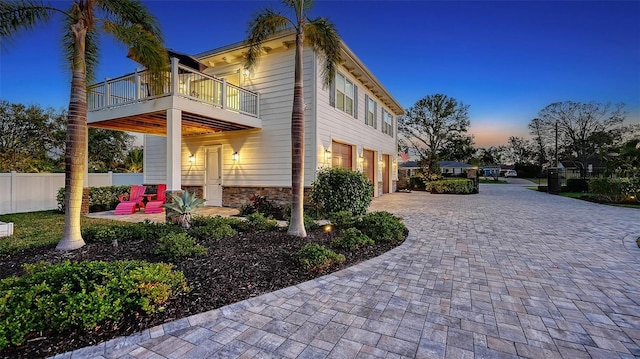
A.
x: 138, y: 103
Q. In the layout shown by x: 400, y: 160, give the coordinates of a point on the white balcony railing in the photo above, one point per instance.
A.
x: 189, y: 83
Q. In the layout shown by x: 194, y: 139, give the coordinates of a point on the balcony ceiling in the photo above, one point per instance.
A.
x: 155, y: 123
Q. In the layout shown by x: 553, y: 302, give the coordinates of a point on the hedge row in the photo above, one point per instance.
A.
x: 616, y: 190
x: 451, y: 186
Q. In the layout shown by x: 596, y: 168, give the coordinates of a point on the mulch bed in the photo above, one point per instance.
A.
x: 234, y: 269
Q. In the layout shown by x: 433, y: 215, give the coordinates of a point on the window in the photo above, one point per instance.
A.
x: 370, y: 112
x: 344, y: 94
x: 387, y: 123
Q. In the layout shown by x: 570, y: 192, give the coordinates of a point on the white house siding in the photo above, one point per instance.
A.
x: 334, y: 124
x: 155, y: 159
x: 264, y: 154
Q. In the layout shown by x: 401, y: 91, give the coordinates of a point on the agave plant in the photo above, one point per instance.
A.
x: 182, y: 206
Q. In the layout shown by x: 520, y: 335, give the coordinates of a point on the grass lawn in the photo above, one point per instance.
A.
x: 37, y: 229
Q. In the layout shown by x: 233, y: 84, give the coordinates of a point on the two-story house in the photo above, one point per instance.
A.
x: 223, y: 131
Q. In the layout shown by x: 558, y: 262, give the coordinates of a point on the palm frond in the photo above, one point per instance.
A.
x: 265, y: 24
x: 21, y: 15
x: 129, y: 12
x: 323, y: 38
x: 144, y: 46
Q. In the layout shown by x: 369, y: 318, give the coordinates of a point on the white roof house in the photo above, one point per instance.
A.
x: 224, y: 132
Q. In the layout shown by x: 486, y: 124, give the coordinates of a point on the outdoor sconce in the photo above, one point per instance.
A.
x: 192, y: 158
x: 327, y: 155
x: 234, y: 156
x: 246, y: 73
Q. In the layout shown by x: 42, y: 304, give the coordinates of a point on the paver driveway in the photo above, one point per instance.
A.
x: 506, y: 273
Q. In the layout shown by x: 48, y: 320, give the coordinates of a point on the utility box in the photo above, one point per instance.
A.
x: 553, y: 180
x: 6, y: 229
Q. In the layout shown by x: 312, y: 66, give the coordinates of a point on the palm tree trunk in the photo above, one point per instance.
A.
x: 76, y: 145
x: 296, y: 227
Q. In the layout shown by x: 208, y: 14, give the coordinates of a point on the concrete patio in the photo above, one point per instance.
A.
x: 506, y: 273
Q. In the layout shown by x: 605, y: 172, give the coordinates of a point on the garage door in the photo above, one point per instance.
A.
x: 341, y: 155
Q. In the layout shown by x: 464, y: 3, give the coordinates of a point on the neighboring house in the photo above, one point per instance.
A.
x: 454, y: 168
x: 447, y: 168
x: 225, y: 132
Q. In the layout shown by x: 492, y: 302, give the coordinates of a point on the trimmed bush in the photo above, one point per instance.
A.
x: 178, y: 246
x: 314, y: 257
x: 100, y: 198
x: 577, y: 185
x: 452, y: 186
x: 615, y: 190
x: 257, y: 222
x: 352, y: 239
x: 342, y: 219
x: 382, y: 227
x: 142, y: 231
x: 339, y: 189
x: 211, y: 228
x: 82, y: 296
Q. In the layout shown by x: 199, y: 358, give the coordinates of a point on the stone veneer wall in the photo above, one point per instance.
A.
x: 394, y: 187
x: 236, y: 196
x: 199, y: 190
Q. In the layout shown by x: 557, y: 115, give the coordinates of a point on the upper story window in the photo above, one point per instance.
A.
x: 387, y: 123
x: 370, y: 113
x: 344, y: 94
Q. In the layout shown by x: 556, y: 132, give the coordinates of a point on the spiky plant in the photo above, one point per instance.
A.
x: 183, y: 206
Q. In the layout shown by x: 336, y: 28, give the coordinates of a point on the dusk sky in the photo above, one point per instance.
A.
x: 506, y: 59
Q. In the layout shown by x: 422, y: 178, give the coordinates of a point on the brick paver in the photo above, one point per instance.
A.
x: 506, y: 273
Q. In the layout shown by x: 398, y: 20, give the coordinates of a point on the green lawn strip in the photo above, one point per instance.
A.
x: 38, y: 229
x: 638, y: 242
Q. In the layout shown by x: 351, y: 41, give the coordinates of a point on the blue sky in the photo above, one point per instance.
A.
x: 505, y: 59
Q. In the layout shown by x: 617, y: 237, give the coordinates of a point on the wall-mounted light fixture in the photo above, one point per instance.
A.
x: 246, y: 73
x: 192, y: 158
x: 327, y: 155
x: 234, y: 156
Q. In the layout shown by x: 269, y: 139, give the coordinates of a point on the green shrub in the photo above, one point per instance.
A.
x: 100, y: 198
x: 339, y: 189
x: 577, y: 185
x: 451, y: 186
x: 211, y: 228
x: 352, y: 239
x: 142, y: 231
x: 382, y: 227
x: 69, y: 296
x: 615, y: 190
x: 314, y: 257
x: 257, y: 222
x: 177, y: 246
x: 342, y: 219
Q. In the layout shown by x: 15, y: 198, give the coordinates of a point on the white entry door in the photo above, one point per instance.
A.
x: 213, y: 186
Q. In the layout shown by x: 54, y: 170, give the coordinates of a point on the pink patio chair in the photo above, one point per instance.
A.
x: 129, y: 203
x: 155, y: 206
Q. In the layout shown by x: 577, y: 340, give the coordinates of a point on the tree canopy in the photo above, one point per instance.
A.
x: 436, y: 126
x: 583, y: 129
x: 30, y: 137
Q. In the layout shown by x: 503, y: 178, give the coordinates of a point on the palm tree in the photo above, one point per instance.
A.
x: 322, y: 36
x: 128, y: 21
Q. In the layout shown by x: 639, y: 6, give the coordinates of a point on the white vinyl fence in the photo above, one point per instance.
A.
x: 28, y: 192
